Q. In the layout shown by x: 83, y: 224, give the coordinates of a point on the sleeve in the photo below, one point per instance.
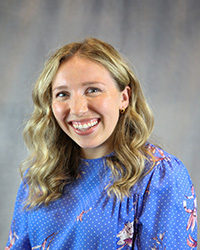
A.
x: 18, y: 235
x: 167, y: 217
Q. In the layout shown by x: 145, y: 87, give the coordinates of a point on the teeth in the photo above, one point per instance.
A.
x: 85, y: 126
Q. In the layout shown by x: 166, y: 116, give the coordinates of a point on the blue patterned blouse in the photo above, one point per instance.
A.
x: 160, y: 213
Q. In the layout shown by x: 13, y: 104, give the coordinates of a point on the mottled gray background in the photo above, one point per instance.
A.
x: 160, y: 37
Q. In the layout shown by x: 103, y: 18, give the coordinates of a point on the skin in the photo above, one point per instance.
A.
x: 86, y: 104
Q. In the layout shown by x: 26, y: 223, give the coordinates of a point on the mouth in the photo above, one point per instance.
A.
x: 84, y: 125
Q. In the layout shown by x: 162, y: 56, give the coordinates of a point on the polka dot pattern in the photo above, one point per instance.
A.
x: 156, y: 215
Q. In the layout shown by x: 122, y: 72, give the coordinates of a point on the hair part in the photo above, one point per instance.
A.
x: 54, y: 157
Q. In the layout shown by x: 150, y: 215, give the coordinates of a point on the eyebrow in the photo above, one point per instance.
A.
x: 91, y: 83
x: 60, y: 87
x: 83, y: 84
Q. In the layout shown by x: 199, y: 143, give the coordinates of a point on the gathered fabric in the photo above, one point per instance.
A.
x: 160, y: 213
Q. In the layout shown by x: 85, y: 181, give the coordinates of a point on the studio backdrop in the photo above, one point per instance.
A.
x: 160, y: 38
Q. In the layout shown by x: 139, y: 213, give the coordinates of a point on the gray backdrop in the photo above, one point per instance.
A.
x: 161, y: 38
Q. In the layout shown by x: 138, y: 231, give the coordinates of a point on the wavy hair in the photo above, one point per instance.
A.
x: 54, y: 157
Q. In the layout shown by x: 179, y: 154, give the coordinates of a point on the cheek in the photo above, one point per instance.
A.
x: 111, y: 104
x: 109, y: 109
x: 59, y: 111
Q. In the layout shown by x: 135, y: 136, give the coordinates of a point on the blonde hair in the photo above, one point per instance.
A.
x: 54, y: 159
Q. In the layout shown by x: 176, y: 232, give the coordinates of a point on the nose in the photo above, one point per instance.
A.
x: 78, y: 105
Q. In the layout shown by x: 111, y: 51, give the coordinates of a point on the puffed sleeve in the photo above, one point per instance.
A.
x: 18, y: 235
x: 167, y: 209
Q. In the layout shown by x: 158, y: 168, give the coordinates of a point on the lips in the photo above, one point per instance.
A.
x: 84, y: 125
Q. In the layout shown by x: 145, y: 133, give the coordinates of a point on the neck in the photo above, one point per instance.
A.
x: 94, y: 153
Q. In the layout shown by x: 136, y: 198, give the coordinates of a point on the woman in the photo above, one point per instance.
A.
x: 93, y: 180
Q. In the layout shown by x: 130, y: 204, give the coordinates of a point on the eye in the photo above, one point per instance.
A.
x: 62, y: 94
x: 92, y: 90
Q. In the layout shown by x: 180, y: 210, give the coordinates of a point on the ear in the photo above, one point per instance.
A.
x: 125, y: 94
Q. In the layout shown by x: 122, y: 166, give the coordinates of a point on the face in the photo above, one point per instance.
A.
x: 86, y: 104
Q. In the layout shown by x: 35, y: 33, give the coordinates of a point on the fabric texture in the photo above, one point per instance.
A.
x: 160, y: 213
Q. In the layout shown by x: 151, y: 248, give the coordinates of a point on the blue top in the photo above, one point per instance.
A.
x: 160, y: 213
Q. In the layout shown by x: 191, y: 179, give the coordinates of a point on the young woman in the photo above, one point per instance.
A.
x: 93, y: 180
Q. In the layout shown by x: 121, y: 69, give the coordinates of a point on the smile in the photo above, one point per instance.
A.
x: 83, y: 126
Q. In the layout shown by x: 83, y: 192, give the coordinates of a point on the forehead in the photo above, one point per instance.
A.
x: 80, y: 70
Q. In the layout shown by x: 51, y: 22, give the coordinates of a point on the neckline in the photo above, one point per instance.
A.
x: 97, y: 159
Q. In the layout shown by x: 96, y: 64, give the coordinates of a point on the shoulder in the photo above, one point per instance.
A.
x: 166, y: 203
x: 168, y: 163
x: 21, y: 198
x: 168, y: 173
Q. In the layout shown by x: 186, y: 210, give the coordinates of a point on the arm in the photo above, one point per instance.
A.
x: 18, y: 235
x: 167, y: 217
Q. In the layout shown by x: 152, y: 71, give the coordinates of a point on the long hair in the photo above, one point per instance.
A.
x: 54, y: 157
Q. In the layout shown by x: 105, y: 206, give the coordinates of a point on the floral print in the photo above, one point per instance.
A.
x: 45, y: 245
x: 161, y: 155
x: 191, y: 242
x: 12, y: 238
x: 86, y: 218
x: 193, y: 212
x: 126, y: 235
x: 80, y: 217
x: 192, y: 221
x: 159, y: 242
